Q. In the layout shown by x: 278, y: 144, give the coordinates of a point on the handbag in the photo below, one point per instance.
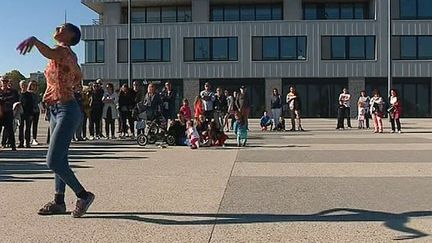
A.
x: 391, y: 109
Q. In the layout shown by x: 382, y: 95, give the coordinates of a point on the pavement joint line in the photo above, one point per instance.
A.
x: 223, y: 197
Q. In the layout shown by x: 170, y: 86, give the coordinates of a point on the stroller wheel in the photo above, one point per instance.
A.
x: 151, y: 138
x: 170, y: 140
x: 142, y: 140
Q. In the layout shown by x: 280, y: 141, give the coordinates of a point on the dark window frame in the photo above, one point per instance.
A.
x: 280, y: 58
x: 416, y: 17
x: 95, y: 45
x: 240, y: 6
x: 211, y: 58
x: 347, y: 48
x: 177, y: 7
x: 417, y: 48
x: 320, y: 10
x: 145, y: 60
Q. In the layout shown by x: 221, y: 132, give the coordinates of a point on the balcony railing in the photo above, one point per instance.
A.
x: 97, y: 21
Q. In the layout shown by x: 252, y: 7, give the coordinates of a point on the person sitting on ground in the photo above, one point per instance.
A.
x: 185, y: 110
x: 177, y: 129
x: 216, y: 136
x: 240, y: 130
x: 281, y: 125
x: 265, y: 122
x: 192, y: 135
x: 202, y: 125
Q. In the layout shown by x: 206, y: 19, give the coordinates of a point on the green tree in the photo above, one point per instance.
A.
x: 15, y: 76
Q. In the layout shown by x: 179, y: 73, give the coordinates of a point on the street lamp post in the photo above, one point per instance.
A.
x: 129, y: 44
x: 389, y: 36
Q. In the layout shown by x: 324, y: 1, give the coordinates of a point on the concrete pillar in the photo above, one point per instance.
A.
x: 270, y: 84
x: 190, y: 90
x: 355, y: 85
x: 292, y: 10
x: 112, y: 13
x: 200, y: 10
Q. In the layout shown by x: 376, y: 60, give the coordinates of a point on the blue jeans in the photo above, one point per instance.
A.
x: 64, y: 121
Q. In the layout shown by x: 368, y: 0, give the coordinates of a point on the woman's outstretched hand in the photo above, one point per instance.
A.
x: 26, y: 46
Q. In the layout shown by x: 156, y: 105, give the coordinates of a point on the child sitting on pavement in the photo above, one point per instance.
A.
x: 192, y: 135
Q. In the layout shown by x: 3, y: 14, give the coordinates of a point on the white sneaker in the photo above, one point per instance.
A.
x: 35, y: 142
x: 91, y: 138
x: 399, y: 131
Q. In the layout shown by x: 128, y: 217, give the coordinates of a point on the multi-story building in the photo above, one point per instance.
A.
x: 319, y: 46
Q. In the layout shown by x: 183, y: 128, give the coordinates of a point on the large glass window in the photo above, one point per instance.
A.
x: 144, y: 50
x: 272, y: 48
x: 312, y: 11
x: 138, y: 50
x: 415, y: 47
x: 415, y: 9
x: 95, y: 51
x: 348, y: 47
x: 210, y: 49
x: 159, y: 14
x: 257, y: 12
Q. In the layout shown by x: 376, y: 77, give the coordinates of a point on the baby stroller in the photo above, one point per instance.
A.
x: 155, y: 130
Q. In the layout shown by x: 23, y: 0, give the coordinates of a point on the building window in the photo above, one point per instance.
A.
x: 348, y: 47
x: 95, y: 51
x: 159, y: 14
x: 144, y: 50
x: 414, y: 47
x: 275, y: 48
x: 313, y: 11
x: 210, y: 49
x: 256, y: 12
x: 415, y: 9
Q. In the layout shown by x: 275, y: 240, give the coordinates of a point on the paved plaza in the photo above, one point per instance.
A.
x: 321, y: 185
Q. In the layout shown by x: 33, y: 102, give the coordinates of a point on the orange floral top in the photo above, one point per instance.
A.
x: 62, y: 75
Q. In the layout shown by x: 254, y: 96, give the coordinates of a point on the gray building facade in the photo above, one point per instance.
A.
x: 316, y: 45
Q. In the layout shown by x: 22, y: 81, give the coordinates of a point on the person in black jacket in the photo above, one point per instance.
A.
x: 96, y: 107
x: 27, y: 103
x: 168, y: 96
x: 276, y: 107
x: 220, y: 108
x: 294, y: 107
x: 126, y: 103
x: 152, y: 102
x: 8, y: 97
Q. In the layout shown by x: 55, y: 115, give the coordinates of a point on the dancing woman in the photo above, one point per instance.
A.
x: 63, y: 75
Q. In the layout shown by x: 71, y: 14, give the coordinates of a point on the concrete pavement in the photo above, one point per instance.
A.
x: 321, y: 185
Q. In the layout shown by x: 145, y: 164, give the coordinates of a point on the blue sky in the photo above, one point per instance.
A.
x: 23, y: 18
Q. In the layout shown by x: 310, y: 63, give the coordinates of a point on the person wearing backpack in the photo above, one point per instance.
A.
x: 377, y: 111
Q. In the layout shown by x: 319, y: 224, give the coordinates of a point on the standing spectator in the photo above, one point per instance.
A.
x: 198, y: 107
x: 231, y: 108
x: 185, y: 110
x: 344, y: 109
x: 243, y: 105
x: 168, y: 96
x: 276, y: 107
x: 139, y: 91
x: 33, y: 89
x: 365, y: 99
x: 96, y: 106
x: 27, y: 103
x: 78, y: 136
x: 294, y: 108
x: 377, y: 111
x: 220, y: 108
x: 86, y: 93
x: 109, y: 112
x: 395, y: 111
x: 152, y: 103
x: 125, y: 103
x: 361, y: 115
x: 208, y: 98
x: 8, y: 97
